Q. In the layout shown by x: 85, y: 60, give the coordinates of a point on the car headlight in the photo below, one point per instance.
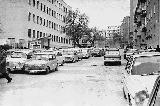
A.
x: 141, y: 96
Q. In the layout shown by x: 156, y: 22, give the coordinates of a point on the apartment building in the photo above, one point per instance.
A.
x: 125, y: 29
x: 153, y: 24
x: 140, y: 21
x: 34, y: 23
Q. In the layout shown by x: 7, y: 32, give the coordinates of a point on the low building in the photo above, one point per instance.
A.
x: 26, y: 23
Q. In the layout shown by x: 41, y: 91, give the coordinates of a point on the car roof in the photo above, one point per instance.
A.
x: 147, y: 54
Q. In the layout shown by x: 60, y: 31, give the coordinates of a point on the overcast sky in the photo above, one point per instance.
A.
x: 102, y: 13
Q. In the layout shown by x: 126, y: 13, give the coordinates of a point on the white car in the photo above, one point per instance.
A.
x: 17, y: 59
x: 140, y: 75
x: 42, y: 62
x: 70, y: 55
x: 112, y: 56
x: 86, y: 52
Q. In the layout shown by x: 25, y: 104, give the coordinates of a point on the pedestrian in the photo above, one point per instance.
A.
x: 3, y: 56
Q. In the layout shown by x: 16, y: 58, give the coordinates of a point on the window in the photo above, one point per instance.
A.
x: 37, y: 34
x: 44, y: 21
x: 37, y: 19
x: 55, y: 14
x: 33, y: 33
x: 44, y: 8
x: 41, y: 7
x: 29, y: 16
x: 40, y: 20
x: 54, y: 38
x: 40, y: 34
x: 47, y: 24
x: 29, y: 2
x: 47, y: 10
x: 34, y: 3
x: 59, y: 39
x: 29, y: 33
x: 43, y: 34
x: 54, y: 26
x: 34, y: 18
x: 37, y: 4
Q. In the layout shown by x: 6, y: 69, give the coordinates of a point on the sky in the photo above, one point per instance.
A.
x: 102, y: 13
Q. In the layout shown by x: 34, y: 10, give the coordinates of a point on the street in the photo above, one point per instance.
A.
x: 85, y: 83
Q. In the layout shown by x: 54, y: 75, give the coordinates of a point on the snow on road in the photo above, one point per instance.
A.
x: 86, y: 83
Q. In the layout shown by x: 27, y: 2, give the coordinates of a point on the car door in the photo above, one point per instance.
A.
x: 155, y: 95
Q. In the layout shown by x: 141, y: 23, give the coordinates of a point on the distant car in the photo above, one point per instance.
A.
x: 17, y: 59
x: 59, y: 57
x: 86, y: 52
x: 44, y: 62
x: 139, y: 76
x: 97, y: 52
x: 112, y: 56
x: 70, y: 55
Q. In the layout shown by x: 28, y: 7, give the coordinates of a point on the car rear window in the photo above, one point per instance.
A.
x: 112, y: 52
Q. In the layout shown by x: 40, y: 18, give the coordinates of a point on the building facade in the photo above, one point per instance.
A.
x: 34, y: 23
x: 110, y: 31
x: 133, y: 5
x: 153, y: 24
x: 125, y: 30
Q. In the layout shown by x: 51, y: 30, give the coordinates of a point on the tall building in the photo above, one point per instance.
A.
x: 133, y: 5
x: 125, y: 30
x: 34, y: 23
x: 153, y: 23
x: 140, y: 21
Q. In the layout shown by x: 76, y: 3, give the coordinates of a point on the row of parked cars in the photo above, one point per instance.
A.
x: 141, y: 80
x: 41, y: 60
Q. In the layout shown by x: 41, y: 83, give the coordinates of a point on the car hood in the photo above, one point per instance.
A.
x: 36, y: 62
x: 136, y: 83
x: 21, y: 60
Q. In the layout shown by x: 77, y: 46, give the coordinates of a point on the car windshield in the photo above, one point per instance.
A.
x: 41, y: 56
x: 18, y: 55
x: 146, y: 65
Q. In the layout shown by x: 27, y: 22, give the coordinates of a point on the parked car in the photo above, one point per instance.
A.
x: 70, y: 55
x: 86, y: 52
x: 112, y: 56
x: 97, y: 52
x: 42, y: 62
x: 17, y: 59
x: 129, y: 52
x: 154, y: 99
x: 79, y: 52
x: 140, y: 75
x: 60, y: 57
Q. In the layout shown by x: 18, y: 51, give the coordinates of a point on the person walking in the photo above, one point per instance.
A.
x: 3, y: 71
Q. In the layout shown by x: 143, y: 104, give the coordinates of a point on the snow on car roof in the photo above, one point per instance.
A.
x: 147, y: 54
x: 26, y: 51
x: 41, y: 53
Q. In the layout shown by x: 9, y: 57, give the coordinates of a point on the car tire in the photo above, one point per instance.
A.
x: 56, y: 69
x: 47, y: 70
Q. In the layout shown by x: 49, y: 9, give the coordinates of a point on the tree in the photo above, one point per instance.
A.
x: 76, y: 26
x: 95, y: 36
